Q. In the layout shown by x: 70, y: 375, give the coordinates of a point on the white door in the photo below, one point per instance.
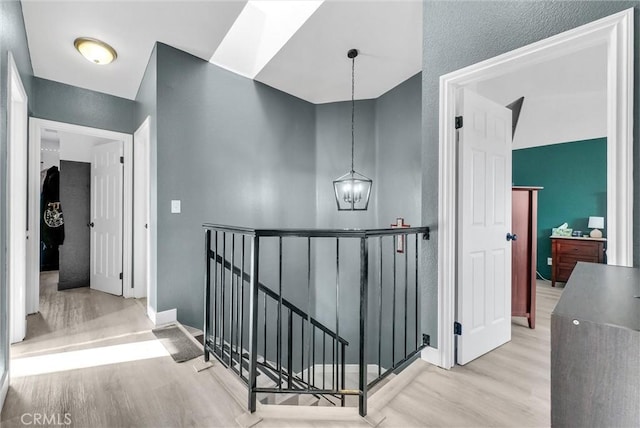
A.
x: 17, y: 201
x: 106, y: 218
x: 141, y: 210
x: 484, y: 220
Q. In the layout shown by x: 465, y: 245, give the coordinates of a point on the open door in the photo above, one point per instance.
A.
x: 484, y: 222
x: 106, y: 218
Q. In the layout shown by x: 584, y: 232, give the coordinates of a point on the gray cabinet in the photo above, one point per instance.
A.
x: 595, y: 349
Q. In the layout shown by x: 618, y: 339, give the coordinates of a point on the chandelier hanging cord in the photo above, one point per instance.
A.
x: 353, y: 53
x: 353, y: 189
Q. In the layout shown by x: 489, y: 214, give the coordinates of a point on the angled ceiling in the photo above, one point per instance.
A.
x: 313, y: 65
x: 309, y: 63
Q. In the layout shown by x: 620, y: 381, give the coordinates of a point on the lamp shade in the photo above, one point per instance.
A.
x: 596, y: 223
x: 95, y: 51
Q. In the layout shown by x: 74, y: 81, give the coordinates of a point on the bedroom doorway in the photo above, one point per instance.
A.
x: 615, y: 33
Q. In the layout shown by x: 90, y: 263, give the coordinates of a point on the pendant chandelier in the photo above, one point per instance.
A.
x: 353, y: 189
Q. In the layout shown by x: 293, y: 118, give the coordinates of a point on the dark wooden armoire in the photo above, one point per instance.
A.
x: 524, y: 224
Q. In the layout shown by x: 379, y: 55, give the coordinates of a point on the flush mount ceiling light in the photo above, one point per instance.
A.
x: 95, y: 51
x: 353, y: 189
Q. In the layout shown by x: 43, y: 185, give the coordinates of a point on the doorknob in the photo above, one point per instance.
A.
x: 511, y: 237
x: 90, y: 224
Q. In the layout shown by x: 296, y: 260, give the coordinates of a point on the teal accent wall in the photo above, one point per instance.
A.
x: 574, y: 177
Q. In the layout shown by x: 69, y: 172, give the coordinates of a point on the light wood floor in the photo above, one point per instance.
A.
x: 507, y: 387
x: 153, y: 392
x: 510, y: 386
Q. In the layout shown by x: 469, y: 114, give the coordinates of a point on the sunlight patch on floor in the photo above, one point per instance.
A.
x: 93, y: 357
x: 79, y: 344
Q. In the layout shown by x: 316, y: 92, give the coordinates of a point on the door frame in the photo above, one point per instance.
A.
x: 36, y: 126
x: 616, y: 32
x: 141, y: 212
x: 17, y: 117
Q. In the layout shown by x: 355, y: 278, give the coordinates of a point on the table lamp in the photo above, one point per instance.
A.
x: 596, y: 223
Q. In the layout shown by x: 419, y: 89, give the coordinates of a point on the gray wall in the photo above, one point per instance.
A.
x: 388, y: 150
x: 260, y: 158
x: 333, y: 159
x: 75, y: 197
x: 12, y: 38
x: 461, y: 33
x: 398, y: 165
x: 147, y: 105
x: 398, y: 153
x: 235, y: 152
x: 70, y: 104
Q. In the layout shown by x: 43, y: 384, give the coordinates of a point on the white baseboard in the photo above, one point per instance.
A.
x: 432, y: 355
x: 162, y: 318
x: 4, y: 389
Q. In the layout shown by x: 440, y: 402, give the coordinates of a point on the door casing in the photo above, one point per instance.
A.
x: 17, y: 227
x: 616, y: 32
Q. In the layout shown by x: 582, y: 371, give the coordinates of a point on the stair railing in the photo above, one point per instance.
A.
x: 255, y: 331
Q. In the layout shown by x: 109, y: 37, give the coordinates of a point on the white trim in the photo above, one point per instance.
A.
x: 431, y: 355
x: 616, y: 31
x: 33, y: 221
x: 16, y: 188
x: 162, y: 318
x: 36, y: 126
x: 141, y: 204
x: 127, y: 219
x: 4, y: 388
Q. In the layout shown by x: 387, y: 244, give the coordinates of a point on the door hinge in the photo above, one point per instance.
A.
x: 458, y: 122
x: 457, y: 328
x: 121, y: 159
x: 120, y: 275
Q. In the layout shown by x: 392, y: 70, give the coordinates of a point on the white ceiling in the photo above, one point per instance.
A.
x: 565, y: 99
x: 131, y: 27
x: 580, y: 72
x: 311, y: 65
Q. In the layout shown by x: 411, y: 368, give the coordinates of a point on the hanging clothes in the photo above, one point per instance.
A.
x: 51, y: 219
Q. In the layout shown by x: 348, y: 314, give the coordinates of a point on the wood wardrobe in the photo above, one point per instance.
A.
x: 524, y: 224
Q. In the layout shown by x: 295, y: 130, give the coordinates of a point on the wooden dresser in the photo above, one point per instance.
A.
x: 566, y: 251
x: 524, y: 224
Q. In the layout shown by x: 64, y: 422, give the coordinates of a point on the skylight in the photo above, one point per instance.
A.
x: 260, y: 31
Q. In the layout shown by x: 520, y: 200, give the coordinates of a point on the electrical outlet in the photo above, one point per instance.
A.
x: 549, y: 261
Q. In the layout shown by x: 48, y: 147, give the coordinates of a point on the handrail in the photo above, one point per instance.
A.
x: 392, y: 264
x: 246, y: 277
x: 319, y: 233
